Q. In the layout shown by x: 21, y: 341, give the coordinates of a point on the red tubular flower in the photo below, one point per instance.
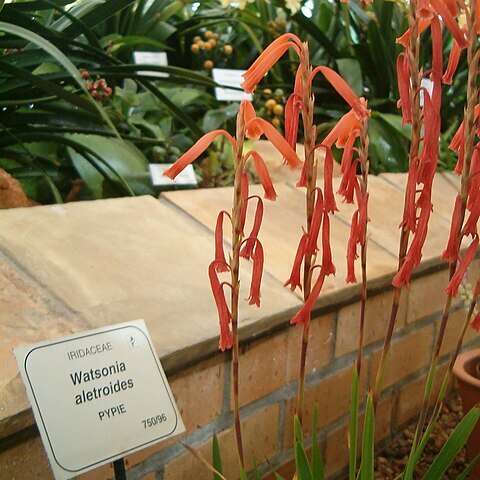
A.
x: 224, y: 315
x: 294, y: 281
x: 409, y: 220
x: 347, y: 155
x: 352, y: 249
x: 363, y: 218
x: 451, y: 251
x: 311, y: 246
x: 253, y: 131
x: 267, y: 59
x: 329, y: 204
x: 302, y: 182
x: 473, y: 192
x: 452, y: 288
x: 349, y: 182
x: 470, y: 227
x: 244, y: 199
x: 453, y: 60
x: 277, y: 140
x: 302, y: 317
x: 328, y: 267
x: 403, y: 78
x: 341, y: 86
x: 404, y: 40
x: 220, y: 262
x: 475, y: 322
x: 257, y: 257
x: 442, y: 9
x: 196, y: 150
x: 341, y: 131
x: 263, y: 175
x: 247, y: 250
x: 292, y: 113
x: 437, y: 63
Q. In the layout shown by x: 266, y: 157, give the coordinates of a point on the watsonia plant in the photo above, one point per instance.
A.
x: 350, y: 133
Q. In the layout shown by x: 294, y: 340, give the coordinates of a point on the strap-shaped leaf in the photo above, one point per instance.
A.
x: 464, y: 475
x: 453, y: 445
x: 352, y: 450
x: 216, y: 458
x: 368, y: 442
x: 301, y: 461
x: 317, y: 464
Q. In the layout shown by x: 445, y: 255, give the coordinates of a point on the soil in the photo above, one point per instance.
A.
x: 391, y: 461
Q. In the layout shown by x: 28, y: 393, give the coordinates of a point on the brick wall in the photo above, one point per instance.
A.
x: 269, y: 384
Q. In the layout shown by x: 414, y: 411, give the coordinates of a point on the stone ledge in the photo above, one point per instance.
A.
x: 83, y: 265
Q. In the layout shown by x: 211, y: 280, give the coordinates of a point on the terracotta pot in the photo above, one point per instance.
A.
x: 467, y: 373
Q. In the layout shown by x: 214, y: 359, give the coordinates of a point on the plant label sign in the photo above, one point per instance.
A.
x: 229, y: 77
x: 151, y: 58
x: 98, y: 396
x: 185, y: 177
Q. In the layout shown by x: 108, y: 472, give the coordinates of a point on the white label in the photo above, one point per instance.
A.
x: 97, y: 396
x: 151, y: 58
x: 229, y: 78
x: 427, y: 84
x: 185, y: 177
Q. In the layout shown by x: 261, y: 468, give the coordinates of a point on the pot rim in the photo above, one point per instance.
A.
x: 459, y: 367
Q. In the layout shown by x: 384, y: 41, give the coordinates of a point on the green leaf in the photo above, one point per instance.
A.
x: 464, y: 475
x: 351, y: 72
x: 352, y: 451
x: 301, y: 461
x: 368, y: 442
x: 317, y: 464
x: 216, y: 458
x: 123, y: 159
x: 256, y: 472
x: 61, y: 59
x: 453, y: 445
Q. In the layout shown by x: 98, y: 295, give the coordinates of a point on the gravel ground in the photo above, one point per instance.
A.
x: 392, y: 459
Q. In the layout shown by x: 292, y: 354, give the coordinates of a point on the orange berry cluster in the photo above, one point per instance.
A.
x: 273, y: 106
x: 210, y: 46
x: 98, y: 89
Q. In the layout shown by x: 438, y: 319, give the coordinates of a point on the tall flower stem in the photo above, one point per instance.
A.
x: 470, y: 127
x: 237, y: 238
x: 364, y: 166
x: 311, y: 176
x: 415, y: 80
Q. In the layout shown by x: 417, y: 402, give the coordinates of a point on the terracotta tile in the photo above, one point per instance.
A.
x: 319, y: 346
x: 279, y: 172
x: 331, y: 394
x: 128, y: 265
x: 407, y: 355
x: 281, y: 230
x: 377, y: 315
x: 105, y: 472
x: 28, y: 315
x: 259, y: 434
x: 262, y: 368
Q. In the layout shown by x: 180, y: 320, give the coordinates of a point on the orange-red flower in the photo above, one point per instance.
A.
x: 194, y: 152
x: 451, y: 251
x: 257, y: 257
x: 248, y: 248
x: 224, y: 315
x: 268, y: 58
x: 294, y: 281
x: 452, y: 288
x: 358, y: 105
x: 328, y: 267
x: 277, y: 140
x: 311, y: 246
x: 342, y: 130
x: 403, y: 79
x: 263, y: 174
x: 302, y: 317
x: 220, y: 262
